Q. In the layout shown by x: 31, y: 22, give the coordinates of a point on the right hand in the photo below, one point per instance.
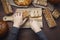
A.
x: 18, y: 20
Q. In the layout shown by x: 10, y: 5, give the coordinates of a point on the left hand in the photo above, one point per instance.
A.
x: 34, y: 25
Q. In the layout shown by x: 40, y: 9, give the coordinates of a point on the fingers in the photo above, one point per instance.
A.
x: 32, y: 20
x: 17, y: 14
x: 20, y: 14
x: 33, y: 23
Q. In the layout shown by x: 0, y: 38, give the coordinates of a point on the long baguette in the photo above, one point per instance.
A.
x: 9, y: 7
x: 49, y: 18
x: 6, y: 6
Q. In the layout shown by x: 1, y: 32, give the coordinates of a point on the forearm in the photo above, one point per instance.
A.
x: 1, y: 38
x: 13, y: 33
x: 42, y: 35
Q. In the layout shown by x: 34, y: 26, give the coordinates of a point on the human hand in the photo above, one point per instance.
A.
x: 34, y: 25
x: 18, y: 20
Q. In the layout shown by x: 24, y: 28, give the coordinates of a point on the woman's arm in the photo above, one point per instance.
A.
x: 41, y: 35
x: 18, y: 21
x: 35, y: 27
x: 13, y: 34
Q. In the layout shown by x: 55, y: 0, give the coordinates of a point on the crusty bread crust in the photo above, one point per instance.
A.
x: 23, y: 2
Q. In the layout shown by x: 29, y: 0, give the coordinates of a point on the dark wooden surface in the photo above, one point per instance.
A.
x: 28, y: 34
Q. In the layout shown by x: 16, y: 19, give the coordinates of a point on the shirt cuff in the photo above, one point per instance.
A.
x: 41, y: 35
x: 14, y: 30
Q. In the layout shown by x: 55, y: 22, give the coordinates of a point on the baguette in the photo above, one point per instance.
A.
x: 6, y: 6
x: 49, y: 18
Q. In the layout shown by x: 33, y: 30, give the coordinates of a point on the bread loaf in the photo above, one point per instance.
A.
x: 23, y: 2
x: 56, y: 13
x: 7, y: 7
x: 3, y: 28
x: 49, y: 18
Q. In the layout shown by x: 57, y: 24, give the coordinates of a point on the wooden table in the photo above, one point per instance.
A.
x: 52, y: 34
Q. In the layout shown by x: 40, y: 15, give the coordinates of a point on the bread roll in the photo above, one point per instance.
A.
x: 23, y: 2
x: 3, y: 28
x: 56, y: 13
x: 25, y: 14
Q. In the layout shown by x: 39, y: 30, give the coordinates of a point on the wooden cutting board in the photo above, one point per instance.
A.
x: 35, y: 13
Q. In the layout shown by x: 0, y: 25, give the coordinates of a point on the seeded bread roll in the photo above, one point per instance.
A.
x: 23, y: 2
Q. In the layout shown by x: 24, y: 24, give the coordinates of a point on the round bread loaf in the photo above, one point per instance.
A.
x: 3, y: 28
x: 23, y: 2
